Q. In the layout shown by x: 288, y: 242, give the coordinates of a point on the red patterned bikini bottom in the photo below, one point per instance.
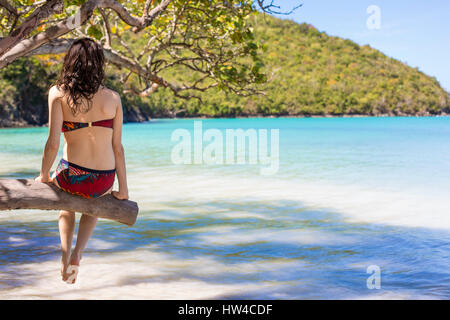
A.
x: 84, y: 182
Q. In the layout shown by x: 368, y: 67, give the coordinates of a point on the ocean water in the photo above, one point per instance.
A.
x: 349, y: 193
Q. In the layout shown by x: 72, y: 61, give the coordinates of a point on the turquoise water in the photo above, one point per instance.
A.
x: 349, y: 193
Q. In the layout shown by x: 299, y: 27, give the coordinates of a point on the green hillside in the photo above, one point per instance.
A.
x: 319, y: 74
x: 310, y: 73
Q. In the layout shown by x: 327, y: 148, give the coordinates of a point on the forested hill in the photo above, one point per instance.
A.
x: 310, y: 73
x: 320, y: 74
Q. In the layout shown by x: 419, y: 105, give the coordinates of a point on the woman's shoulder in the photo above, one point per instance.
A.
x: 55, y: 94
x: 55, y: 91
x: 110, y: 93
x: 108, y: 99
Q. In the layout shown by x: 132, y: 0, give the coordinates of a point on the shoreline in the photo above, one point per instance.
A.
x: 315, y: 116
x: 24, y: 125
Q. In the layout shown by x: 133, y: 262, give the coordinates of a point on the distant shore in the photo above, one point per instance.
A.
x: 15, y: 124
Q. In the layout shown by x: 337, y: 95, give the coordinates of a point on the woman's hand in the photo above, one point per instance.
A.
x: 120, y: 195
x: 43, y: 179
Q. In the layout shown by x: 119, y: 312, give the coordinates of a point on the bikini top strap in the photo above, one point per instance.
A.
x: 71, y: 125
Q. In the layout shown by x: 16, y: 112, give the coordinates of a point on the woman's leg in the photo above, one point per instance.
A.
x: 66, y: 223
x: 85, y: 229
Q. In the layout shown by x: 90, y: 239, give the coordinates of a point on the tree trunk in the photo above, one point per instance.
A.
x: 29, y: 194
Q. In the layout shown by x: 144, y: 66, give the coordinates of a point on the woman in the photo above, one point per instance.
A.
x: 90, y: 117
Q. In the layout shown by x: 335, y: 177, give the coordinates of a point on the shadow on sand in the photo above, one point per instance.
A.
x: 304, y: 253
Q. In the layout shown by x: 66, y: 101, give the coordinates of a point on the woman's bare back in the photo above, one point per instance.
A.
x: 90, y: 147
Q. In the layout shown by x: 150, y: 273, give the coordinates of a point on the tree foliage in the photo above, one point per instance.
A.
x: 202, y: 39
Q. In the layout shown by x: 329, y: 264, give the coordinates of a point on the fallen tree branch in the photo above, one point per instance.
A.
x: 29, y: 194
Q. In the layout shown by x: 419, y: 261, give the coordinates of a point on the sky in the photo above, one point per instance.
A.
x: 416, y: 32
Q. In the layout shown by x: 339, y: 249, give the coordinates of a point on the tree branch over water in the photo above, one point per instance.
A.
x: 209, y: 43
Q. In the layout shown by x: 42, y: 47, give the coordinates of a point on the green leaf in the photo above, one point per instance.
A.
x: 95, y: 32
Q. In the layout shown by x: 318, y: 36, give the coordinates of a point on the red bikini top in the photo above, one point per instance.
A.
x: 70, y: 126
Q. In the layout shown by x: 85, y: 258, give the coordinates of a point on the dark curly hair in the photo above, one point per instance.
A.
x: 82, y: 74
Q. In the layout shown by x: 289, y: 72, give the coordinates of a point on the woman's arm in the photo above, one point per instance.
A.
x: 119, y: 154
x: 55, y: 121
